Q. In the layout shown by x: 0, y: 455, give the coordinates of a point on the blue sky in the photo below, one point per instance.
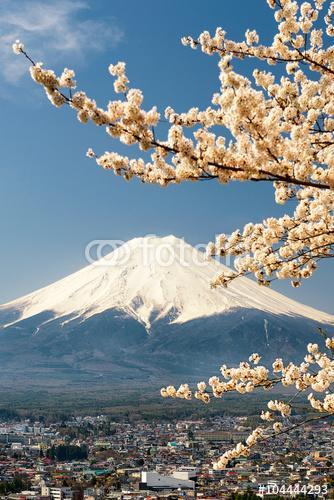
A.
x: 53, y: 200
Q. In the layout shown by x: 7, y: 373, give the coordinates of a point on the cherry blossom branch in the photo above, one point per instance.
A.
x: 316, y: 372
x: 280, y: 131
x: 267, y: 175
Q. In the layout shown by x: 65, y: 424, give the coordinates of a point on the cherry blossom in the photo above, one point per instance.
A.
x: 279, y: 129
x: 315, y: 373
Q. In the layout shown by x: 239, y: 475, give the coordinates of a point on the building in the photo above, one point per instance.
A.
x: 154, y: 481
x: 56, y: 493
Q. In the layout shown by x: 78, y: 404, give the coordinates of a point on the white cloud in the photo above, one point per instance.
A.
x: 49, y: 30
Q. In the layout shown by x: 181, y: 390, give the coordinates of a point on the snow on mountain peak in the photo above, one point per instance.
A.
x: 151, y: 278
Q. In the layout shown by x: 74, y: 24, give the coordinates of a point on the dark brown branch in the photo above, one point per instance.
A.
x: 295, y: 426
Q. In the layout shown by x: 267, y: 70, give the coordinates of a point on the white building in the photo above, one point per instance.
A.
x: 155, y: 481
x: 56, y: 493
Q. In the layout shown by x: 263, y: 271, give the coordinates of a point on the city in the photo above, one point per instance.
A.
x: 95, y: 457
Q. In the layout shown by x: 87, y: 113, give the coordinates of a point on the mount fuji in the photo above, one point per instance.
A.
x: 146, y: 310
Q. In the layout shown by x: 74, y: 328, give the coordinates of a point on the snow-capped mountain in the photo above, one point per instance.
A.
x: 149, y: 279
x: 148, y: 304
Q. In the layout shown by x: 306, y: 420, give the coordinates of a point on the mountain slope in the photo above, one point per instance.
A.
x: 146, y: 310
